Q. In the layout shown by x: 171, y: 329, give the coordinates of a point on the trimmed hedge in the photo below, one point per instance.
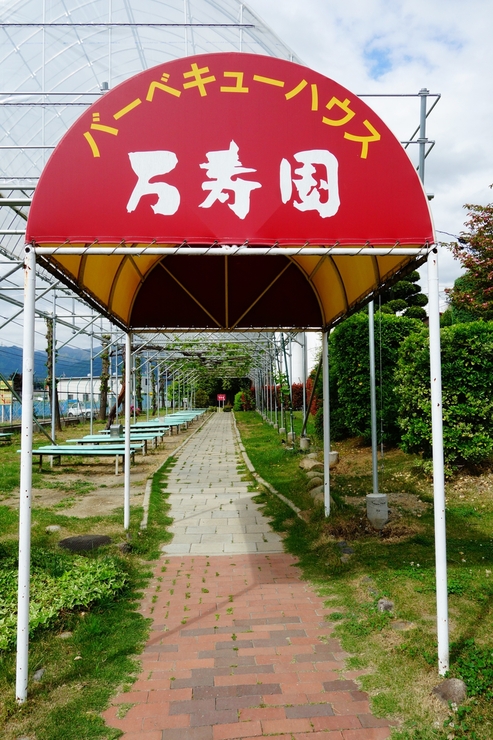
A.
x: 350, y: 376
x: 467, y: 384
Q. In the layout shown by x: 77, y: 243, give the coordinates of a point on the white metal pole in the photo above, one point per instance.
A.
x: 26, y: 477
x: 53, y: 370
x: 373, y: 396
x: 128, y: 383
x: 166, y: 392
x: 91, y: 373
x: 438, y: 465
x: 148, y: 395
x: 305, y: 373
x: 326, y: 412
x: 116, y: 379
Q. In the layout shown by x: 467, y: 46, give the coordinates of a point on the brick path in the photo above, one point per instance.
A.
x: 239, y: 647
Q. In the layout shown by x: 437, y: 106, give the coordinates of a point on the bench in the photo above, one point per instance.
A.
x: 81, y: 451
x: 6, y: 437
x: 136, y: 440
x: 155, y: 435
x: 155, y: 426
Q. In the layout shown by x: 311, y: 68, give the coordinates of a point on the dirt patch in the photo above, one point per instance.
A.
x: 400, y: 504
x: 89, y: 488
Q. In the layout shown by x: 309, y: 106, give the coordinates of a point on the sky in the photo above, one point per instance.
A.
x: 399, y: 47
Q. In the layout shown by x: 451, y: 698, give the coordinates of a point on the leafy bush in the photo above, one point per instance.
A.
x: 201, y: 399
x: 244, y: 401
x: 467, y: 385
x: 350, y: 376
x: 59, y: 582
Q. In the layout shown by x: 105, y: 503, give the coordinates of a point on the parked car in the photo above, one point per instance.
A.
x: 79, y: 411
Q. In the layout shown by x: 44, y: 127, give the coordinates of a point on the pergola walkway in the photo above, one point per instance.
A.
x: 239, y: 647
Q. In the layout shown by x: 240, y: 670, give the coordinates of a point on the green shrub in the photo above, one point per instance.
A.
x: 59, y: 582
x: 350, y: 376
x: 201, y: 399
x: 467, y: 385
x: 244, y: 401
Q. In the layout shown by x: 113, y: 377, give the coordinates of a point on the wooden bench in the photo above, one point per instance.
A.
x: 81, y: 451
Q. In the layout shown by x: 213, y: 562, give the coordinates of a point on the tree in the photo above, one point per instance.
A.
x: 474, y: 249
x: 405, y: 297
x: 201, y: 398
x: 138, y: 382
x: 104, y: 377
x: 49, y: 373
x: 455, y: 312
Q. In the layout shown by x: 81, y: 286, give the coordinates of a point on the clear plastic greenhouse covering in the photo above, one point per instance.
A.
x: 58, y: 57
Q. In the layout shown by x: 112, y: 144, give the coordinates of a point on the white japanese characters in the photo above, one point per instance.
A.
x: 320, y: 193
x: 315, y: 182
x: 146, y: 166
x: 221, y: 167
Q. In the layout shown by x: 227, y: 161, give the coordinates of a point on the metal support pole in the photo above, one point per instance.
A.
x: 373, y: 396
x: 26, y: 477
x: 305, y: 373
x: 53, y: 369
x: 438, y: 466
x: 126, y: 484
x: 148, y: 390
x: 290, y: 387
x: 436, y: 426
x: 166, y: 392
x: 423, y: 93
x: 326, y: 412
x: 116, y: 379
x: 91, y: 374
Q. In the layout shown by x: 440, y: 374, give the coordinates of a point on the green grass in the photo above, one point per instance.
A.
x: 83, y: 671
x: 397, y: 564
x: 272, y: 459
x: 402, y: 665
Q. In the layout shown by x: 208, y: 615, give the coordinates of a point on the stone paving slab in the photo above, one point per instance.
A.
x: 239, y: 647
x: 210, y: 503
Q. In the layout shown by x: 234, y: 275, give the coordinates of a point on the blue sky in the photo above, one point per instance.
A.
x: 401, y: 46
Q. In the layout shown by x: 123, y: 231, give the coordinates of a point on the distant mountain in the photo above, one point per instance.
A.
x: 71, y: 362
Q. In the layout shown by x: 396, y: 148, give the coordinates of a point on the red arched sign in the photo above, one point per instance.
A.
x: 230, y: 148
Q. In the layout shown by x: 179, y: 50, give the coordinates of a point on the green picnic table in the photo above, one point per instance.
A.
x: 60, y: 451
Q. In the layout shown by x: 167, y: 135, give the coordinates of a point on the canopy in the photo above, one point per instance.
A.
x: 219, y: 150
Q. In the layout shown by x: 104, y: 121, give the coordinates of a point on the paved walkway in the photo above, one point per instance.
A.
x: 239, y: 647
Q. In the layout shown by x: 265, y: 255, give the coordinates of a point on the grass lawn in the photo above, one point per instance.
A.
x: 87, y: 653
x: 397, y: 651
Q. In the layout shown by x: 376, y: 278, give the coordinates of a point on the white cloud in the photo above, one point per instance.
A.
x: 401, y: 46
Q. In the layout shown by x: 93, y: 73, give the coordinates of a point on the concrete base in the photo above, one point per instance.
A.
x: 291, y: 437
x: 377, y: 510
x: 282, y: 431
x: 333, y: 458
x: 304, y: 443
